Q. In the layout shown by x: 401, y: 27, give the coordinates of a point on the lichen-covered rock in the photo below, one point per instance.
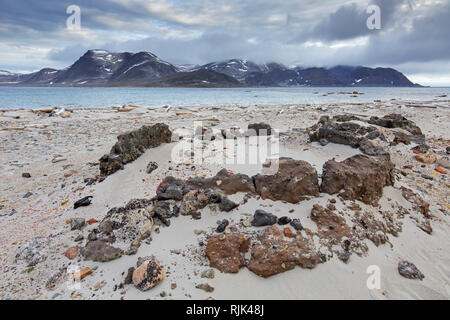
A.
x: 294, y: 180
x: 148, y: 275
x: 132, y: 145
x: 347, y: 133
x: 358, y: 178
x: 101, y: 251
x: 272, y: 254
x: 396, y: 120
x: 226, y: 252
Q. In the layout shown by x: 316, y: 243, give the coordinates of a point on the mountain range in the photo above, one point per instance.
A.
x: 144, y: 69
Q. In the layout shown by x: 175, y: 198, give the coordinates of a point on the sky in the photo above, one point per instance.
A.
x: 414, y: 37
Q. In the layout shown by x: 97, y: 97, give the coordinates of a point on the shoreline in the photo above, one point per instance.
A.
x: 61, y: 152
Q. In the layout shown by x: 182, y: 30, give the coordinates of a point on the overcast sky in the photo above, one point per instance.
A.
x: 414, y: 35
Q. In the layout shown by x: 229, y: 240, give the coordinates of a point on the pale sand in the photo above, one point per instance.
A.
x: 43, y: 215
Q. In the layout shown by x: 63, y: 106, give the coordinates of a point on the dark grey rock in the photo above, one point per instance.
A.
x: 262, y: 218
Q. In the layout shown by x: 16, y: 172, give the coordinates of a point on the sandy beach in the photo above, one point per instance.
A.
x: 47, y: 163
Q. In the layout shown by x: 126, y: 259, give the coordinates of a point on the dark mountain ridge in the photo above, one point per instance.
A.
x: 144, y: 69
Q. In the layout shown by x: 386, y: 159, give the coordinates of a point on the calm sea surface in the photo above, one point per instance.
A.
x: 31, y: 97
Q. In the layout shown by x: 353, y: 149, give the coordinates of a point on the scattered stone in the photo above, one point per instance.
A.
x: 129, y: 276
x: 284, y: 220
x: 288, y: 232
x: 409, y: 270
x: 101, y: 251
x: 92, y: 221
x: 226, y: 204
x: 33, y: 252
x: 152, y: 166
x: 223, y: 224
x: 208, y: 274
x: 26, y: 175
x: 418, y: 203
x: 148, y: 275
x: 296, y: 224
x: 427, y: 158
x: 83, y: 202
x: 206, y: 287
x: 358, y: 178
x: 262, y: 218
x: 72, y: 253
x: 293, y: 180
x: 27, y: 195
x: 323, y: 142
x: 77, y: 223
x: 83, y: 273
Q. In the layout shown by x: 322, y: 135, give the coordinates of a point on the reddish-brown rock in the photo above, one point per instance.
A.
x: 294, y: 180
x: 419, y: 204
x: 72, y: 253
x: 330, y: 224
x: 272, y: 254
x: 226, y: 181
x: 226, y: 253
x: 358, y: 178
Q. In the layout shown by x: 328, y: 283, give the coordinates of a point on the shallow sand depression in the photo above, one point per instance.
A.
x: 31, y: 141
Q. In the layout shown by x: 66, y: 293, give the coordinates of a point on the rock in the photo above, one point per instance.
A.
x: 83, y: 202
x: 33, y: 252
x: 418, y: 203
x: 323, y: 142
x: 262, y: 218
x: 272, y: 254
x: 261, y: 129
x: 225, y: 181
x: 427, y: 158
x: 395, y: 120
x: 129, y: 276
x: 206, y: 287
x: 152, y: 166
x: 148, y: 275
x: 284, y: 220
x: 226, y: 204
x: 227, y: 255
x: 208, y: 274
x: 101, y: 251
x: 79, y: 238
x: 83, y: 273
x: 294, y: 180
x: 27, y: 195
x: 77, y: 223
x: 72, y: 253
x: 347, y: 133
x: 26, y: 175
x: 132, y: 145
x: 171, y: 189
x: 330, y: 225
x: 223, y: 224
x: 409, y: 270
x: 92, y: 221
x: 296, y: 224
x: 56, y: 279
x: 288, y: 232
x: 358, y: 178
x: 447, y: 150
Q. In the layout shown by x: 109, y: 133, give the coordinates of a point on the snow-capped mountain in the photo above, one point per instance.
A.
x: 104, y: 68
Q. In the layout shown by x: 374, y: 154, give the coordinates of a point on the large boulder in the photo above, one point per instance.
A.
x: 132, y: 145
x: 347, y: 133
x: 272, y: 254
x: 226, y: 252
x: 294, y: 180
x: 395, y: 120
x: 224, y: 180
x: 358, y: 178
